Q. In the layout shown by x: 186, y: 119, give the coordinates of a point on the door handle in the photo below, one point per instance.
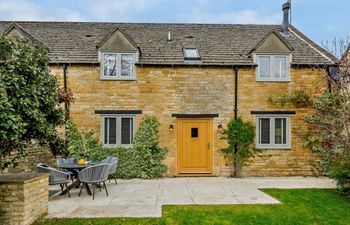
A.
x: 208, y: 145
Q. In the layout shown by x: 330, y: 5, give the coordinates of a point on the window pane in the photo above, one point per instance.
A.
x: 126, y: 131
x: 106, y: 131
x: 110, y: 63
x: 110, y: 129
x: 280, y: 67
x: 264, y: 137
x: 127, y: 64
x: 191, y: 53
x: 194, y: 132
x: 280, y: 131
x: 264, y: 66
x: 284, y: 134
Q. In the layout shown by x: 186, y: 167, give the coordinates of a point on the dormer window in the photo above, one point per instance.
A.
x: 273, y: 67
x: 191, y: 53
x: 118, y: 66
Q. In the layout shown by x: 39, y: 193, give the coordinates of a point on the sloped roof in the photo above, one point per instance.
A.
x: 218, y: 44
x: 261, y: 42
x: 21, y: 32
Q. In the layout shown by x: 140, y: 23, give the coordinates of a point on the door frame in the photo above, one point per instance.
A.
x: 211, y: 149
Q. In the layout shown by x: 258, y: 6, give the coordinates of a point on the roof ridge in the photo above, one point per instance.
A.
x: 223, y: 44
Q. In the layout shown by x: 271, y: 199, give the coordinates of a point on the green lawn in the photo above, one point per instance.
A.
x: 299, y: 206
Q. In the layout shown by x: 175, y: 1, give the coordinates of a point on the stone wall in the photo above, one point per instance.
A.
x: 253, y: 96
x: 161, y: 91
x: 35, y: 156
x: 23, y: 198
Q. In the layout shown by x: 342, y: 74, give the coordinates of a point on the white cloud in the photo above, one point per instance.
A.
x: 18, y: 10
x: 26, y: 10
x: 120, y: 9
x: 127, y: 10
x: 240, y: 17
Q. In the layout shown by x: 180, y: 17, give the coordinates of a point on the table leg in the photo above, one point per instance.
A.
x: 70, y: 187
x: 87, y: 189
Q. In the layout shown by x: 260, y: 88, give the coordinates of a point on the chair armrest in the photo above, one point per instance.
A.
x: 59, y: 174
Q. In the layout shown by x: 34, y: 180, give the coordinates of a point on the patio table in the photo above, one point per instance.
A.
x: 74, y: 167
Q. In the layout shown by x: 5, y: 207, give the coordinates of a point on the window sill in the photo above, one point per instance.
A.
x: 274, y: 81
x: 117, y: 79
x: 116, y: 146
x: 273, y: 148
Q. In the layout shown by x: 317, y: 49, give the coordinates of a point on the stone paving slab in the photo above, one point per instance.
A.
x: 145, y: 198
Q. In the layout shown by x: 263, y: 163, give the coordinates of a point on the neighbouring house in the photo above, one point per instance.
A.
x: 193, y: 78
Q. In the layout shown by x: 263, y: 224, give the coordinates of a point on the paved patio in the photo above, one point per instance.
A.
x: 144, y: 198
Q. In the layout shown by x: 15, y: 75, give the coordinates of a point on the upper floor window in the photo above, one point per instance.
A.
x: 273, y: 131
x: 118, y: 66
x: 273, y: 67
x: 118, y: 130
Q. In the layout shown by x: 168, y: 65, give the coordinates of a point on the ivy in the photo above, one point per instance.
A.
x: 240, y: 134
x: 142, y: 160
x: 147, y: 150
x: 299, y: 98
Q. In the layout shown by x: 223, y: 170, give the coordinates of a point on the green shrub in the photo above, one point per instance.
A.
x: 81, y: 144
x: 340, y: 171
x: 147, y: 150
x: 29, y: 100
x: 242, y: 134
x: 142, y: 160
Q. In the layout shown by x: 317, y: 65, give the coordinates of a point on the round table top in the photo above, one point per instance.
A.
x: 73, y: 166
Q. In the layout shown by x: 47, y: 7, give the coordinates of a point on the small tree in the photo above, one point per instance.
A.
x: 240, y: 139
x: 29, y: 99
x: 329, y: 121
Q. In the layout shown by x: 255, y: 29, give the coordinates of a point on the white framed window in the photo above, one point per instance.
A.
x: 117, y: 130
x: 118, y: 66
x: 273, y: 67
x: 273, y: 131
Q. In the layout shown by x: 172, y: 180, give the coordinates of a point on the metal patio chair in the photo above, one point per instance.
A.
x: 68, y: 161
x: 107, y: 160
x: 113, y: 169
x: 56, y: 176
x: 94, y: 175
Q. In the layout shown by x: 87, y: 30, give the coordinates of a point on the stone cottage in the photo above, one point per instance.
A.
x: 194, y: 78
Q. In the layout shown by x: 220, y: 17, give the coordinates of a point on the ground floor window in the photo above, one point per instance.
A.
x: 118, y: 130
x: 273, y: 131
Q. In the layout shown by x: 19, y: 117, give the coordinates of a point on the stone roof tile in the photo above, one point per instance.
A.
x: 218, y: 44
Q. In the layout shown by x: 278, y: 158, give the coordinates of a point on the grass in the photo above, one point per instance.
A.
x: 299, y: 206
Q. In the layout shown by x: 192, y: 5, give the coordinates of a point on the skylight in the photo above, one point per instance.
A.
x: 191, y: 53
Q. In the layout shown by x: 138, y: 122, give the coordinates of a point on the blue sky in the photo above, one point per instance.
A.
x: 321, y: 20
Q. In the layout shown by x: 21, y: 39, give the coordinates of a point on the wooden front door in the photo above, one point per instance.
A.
x: 194, y: 146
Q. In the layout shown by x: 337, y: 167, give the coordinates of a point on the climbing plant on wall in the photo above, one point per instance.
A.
x: 240, y: 138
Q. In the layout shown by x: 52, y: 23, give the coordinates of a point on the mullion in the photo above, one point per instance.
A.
x: 119, y: 63
x: 272, y: 131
